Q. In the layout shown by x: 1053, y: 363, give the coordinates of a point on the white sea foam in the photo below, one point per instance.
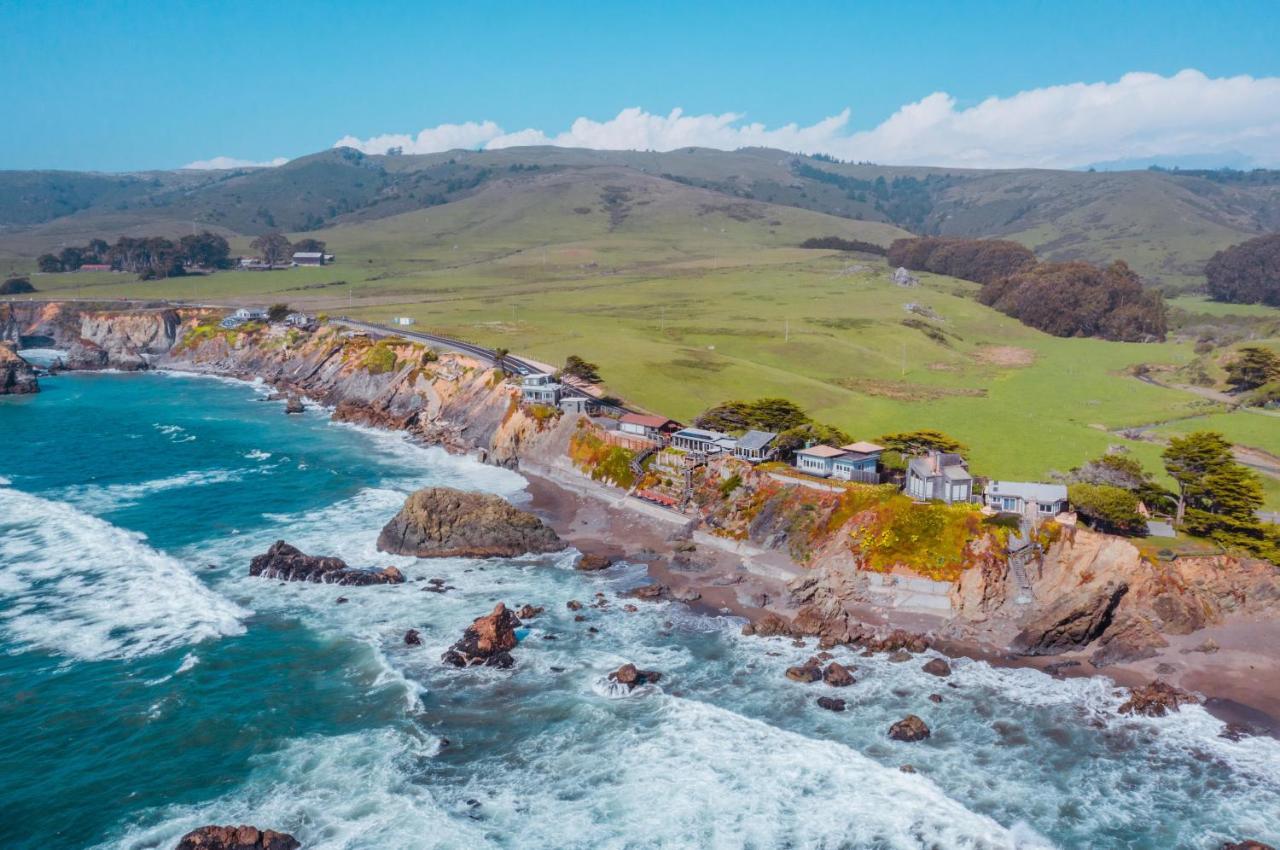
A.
x: 78, y: 586
x: 257, y: 454
x: 101, y: 499
x: 333, y: 793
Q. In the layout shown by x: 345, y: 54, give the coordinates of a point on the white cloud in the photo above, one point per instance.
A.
x: 222, y: 162
x: 445, y: 137
x: 1139, y: 116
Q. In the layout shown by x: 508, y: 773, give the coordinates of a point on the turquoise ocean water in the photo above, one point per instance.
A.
x: 148, y: 685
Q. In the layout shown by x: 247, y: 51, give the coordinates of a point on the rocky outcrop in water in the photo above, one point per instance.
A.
x: 837, y: 675
x: 1072, y: 622
x: 17, y: 376
x: 632, y: 677
x: 909, y: 728
x: 236, y: 838
x: 1156, y: 700
x: 487, y: 642
x: 288, y: 563
x: 593, y: 563
x: 440, y: 522
x: 1248, y: 844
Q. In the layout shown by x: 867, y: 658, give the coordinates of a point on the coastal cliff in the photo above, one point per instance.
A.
x: 92, y: 337
x: 17, y: 377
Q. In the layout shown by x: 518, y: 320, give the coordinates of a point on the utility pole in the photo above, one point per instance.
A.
x: 904, y: 360
x: 786, y: 332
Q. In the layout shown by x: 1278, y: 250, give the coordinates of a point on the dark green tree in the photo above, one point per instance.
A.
x: 579, y: 368
x: 1107, y: 508
x: 16, y: 286
x: 48, y: 263
x: 919, y: 442
x: 205, y: 250
x: 277, y: 312
x: 309, y: 245
x: 1252, y: 368
x: 765, y: 414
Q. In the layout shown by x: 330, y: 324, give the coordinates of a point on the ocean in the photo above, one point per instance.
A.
x: 149, y: 685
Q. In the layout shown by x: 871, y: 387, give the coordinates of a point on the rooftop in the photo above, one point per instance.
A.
x: 308, y: 255
x: 755, y: 440
x: 1031, y: 491
x: 862, y: 447
x: 645, y: 420
x: 821, y: 451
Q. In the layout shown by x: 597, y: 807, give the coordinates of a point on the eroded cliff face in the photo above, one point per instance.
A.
x: 446, y: 399
x: 92, y: 337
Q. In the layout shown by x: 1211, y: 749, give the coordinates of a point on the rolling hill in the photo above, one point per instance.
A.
x: 1165, y: 224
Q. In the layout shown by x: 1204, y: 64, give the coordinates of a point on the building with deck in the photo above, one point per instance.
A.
x: 860, y: 462
x: 1026, y: 498
x: 309, y: 258
x: 939, y: 476
x: 655, y: 428
x: 755, y: 446
x: 818, y: 460
x: 701, y: 440
x: 540, y: 389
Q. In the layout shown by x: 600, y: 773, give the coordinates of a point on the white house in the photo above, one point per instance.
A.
x: 540, y: 389
x: 1027, y: 498
x: 404, y: 321
x: 250, y: 314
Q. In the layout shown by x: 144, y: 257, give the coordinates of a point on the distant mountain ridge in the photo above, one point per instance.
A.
x: 1166, y: 224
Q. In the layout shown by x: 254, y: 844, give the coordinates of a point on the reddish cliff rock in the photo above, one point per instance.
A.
x: 488, y: 641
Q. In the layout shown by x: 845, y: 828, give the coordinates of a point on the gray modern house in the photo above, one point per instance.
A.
x: 939, y: 476
x: 1027, y: 498
x: 755, y: 446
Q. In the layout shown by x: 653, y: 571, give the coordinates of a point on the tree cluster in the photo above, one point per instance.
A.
x: 273, y: 248
x: 907, y: 444
x: 1107, y: 508
x: 1081, y: 299
x: 835, y: 243
x: 1248, y: 273
x: 1217, y: 497
x: 794, y: 427
x: 150, y: 257
x: 979, y: 260
x: 16, y: 286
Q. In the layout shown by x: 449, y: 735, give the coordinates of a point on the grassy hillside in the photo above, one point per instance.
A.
x: 686, y: 298
x: 1165, y: 224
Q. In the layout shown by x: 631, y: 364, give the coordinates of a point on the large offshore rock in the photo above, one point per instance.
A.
x: 488, y: 641
x: 440, y: 522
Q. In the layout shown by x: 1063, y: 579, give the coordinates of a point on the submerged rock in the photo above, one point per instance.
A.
x: 810, y: 671
x: 293, y: 405
x: 412, y: 638
x: 1073, y: 621
x: 937, y: 667
x: 648, y: 593
x: 837, y: 675
x: 528, y: 612
x: 1156, y: 700
x: 17, y: 376
x: 440, y: 522
x: 236, y: 838
x: 283, y: 561
x: 593, y: 563
x: 488, y: 641
x: 909, y: 728
x: 1247, y: 844
x: 831, y: 703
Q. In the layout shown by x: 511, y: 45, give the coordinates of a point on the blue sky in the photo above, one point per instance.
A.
x: 125, y: 85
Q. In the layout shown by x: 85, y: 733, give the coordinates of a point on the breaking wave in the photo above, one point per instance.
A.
x: 77, y: 586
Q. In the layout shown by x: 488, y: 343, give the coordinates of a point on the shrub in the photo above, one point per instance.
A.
x: 835, y: 243
x: 576, y: 367
x: 602, y: 461
x: 379, y: 359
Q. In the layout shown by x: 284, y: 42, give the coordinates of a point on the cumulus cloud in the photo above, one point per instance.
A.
x: 1140, y: 116
x: 223, y: 162
x: 445, y: 137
